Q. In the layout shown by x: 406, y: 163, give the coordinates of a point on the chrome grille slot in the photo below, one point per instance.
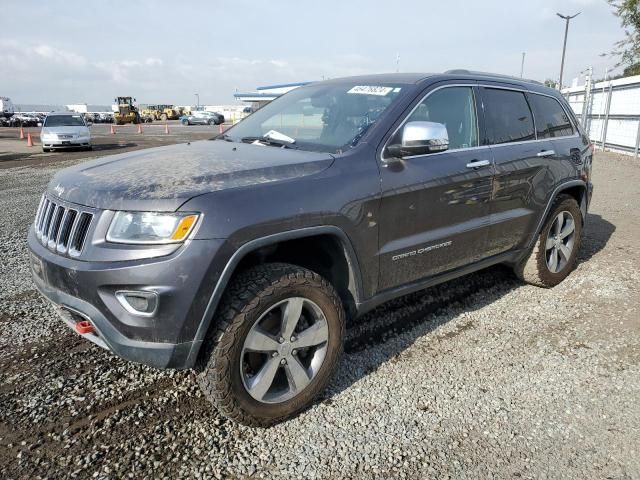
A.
x: 58, y: 213
x: 65, y: 231
x: 43, y: 213
x: 77, y: 239
x: 39, y: 213
x: 47, y: 221
x: 61, y: 228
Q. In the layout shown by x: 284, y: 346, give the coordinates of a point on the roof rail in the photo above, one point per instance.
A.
x: 462, y: 71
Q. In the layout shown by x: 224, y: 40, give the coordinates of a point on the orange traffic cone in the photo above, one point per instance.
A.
x: 139, y: 128
x: 113, y: 130
x: 166, y: 128
x: 29, y: 140
x: 221, y: 128
x: 21, y: 133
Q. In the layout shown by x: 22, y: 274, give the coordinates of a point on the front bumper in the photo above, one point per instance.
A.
x: 84, y: 290
x: 73, y: 142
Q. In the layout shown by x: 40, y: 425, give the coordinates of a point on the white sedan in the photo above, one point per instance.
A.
x: 63, y: 130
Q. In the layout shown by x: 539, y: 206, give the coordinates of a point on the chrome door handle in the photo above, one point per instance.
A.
x: 546, y: 153
x: 478, y: 163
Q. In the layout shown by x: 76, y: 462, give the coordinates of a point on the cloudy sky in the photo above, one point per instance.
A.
x: 70, y: 51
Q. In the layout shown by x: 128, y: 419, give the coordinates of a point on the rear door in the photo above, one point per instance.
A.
x: 553, y: 122
x: 435, y: 207
x: 521, y: 161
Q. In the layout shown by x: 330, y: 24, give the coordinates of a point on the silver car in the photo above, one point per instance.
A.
x: 65, y: 129
x: 201, y: 117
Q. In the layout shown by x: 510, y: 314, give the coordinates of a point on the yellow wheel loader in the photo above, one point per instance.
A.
x: 127, y: 112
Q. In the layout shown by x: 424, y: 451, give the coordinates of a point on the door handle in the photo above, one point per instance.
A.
x: 546, y: 153
x: 478, y: 163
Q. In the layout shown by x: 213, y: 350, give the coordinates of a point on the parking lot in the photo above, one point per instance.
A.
x: 480, y: 377
x: 15, y: 152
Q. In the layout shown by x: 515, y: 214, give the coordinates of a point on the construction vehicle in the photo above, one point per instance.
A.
x: 168, y: 112
x: 150, y: 113
x: 127, y: 112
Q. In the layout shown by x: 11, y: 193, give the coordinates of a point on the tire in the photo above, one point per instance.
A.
x: 46, y: 149
x: 163, y: 117
x: 538, y: 268
x: 185, y: 122
x: 256, y: 298
x: 211, y: 122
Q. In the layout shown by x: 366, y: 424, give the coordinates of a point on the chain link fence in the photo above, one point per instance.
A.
x: 610, y: 112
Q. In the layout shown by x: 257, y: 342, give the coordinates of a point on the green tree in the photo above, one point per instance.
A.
x: 632, y: 70
x: 628, y: 49
x: 550, y: 83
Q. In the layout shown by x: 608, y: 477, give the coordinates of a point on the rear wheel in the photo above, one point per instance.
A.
x: 277, y: 343
x: 556, y: 249
x: 185, y: 121
x: 211, y: 122
x: 163, y: 117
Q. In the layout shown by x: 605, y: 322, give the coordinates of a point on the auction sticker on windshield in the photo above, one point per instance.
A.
x: 370, y: 90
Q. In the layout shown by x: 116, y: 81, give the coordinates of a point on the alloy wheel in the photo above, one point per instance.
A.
x: 284, y: 350
x: 560, y: 241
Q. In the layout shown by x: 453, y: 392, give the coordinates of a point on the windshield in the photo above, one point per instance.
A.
x: 64, y: 121
x: 326, y: 117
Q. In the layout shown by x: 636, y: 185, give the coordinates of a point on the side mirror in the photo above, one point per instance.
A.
x: 420, y: 138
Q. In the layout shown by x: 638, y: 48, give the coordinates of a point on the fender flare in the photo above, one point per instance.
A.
x: 230, y: 268
x: 552, y: 198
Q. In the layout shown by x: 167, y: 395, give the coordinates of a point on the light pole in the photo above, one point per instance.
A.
x: 522, y: 65
x: 564, y: 47
x: 197, y: 100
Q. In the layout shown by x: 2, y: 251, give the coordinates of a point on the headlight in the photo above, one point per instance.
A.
x: 49, y: 136
x: 150, y: 227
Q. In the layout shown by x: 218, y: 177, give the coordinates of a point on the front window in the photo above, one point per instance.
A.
x: 455, y: 108
x: 327, y: 117
x: 64, y: 121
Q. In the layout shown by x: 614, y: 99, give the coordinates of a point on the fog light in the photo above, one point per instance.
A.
x: 138, y: 302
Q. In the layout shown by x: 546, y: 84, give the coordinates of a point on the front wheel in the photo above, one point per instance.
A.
x: 276, y: 345
x: 555, y: 252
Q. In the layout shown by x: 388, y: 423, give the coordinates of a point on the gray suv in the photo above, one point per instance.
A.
x: 245, y: 256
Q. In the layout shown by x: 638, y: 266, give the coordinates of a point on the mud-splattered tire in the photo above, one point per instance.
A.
x: 538, y: 268
x: 255, y: 297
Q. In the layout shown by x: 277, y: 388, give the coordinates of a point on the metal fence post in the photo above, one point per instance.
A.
x: 637, y: 140
x: 603, y: 140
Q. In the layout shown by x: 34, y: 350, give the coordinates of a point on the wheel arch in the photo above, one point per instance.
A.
x: 574, y: 188
x: 290, y: 247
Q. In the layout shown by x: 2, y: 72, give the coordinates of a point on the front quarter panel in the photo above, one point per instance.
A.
x: 345, y: 195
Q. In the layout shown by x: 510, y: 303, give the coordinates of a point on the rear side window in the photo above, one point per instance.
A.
x: 551, y: 119
x: 508, y: 116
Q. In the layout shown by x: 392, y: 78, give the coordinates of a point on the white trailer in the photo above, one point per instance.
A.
x: 6, y: 107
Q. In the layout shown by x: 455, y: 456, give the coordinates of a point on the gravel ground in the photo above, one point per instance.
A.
x: 481, y: 377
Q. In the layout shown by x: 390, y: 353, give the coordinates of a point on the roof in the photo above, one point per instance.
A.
x: 263, y: 94
x: 384, y: 78
x: 63, y: 113
x: 283, y: 85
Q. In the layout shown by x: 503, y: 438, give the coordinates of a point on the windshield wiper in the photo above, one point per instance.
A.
x: 360, y: 134
x: 269, y: 141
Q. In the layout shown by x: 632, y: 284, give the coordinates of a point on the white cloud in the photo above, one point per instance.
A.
x: 57, y: 55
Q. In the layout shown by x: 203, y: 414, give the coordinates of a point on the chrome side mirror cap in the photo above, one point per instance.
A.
x: 420, y: 138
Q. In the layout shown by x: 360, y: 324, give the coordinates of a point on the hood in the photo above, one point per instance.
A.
x: 72, y: 130
x: 163, y: 178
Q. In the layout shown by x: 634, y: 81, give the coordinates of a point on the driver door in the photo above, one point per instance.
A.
x: 435, y: 206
